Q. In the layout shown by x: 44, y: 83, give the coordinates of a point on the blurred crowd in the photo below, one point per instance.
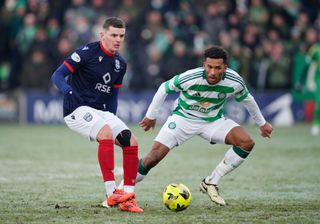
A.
x: 267, y: 40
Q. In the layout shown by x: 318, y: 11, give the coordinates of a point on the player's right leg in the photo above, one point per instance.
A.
x: 156, y: 154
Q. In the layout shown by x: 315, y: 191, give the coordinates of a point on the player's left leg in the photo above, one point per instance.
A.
x: 156, y: 154
x: 128, y: 142
x: 129, y: 145
x: 228, y: 132
x: 242, y: 145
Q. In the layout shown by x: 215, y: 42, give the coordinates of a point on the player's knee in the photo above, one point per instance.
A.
x: 104, y: 133
x: 133, y: 140
x: 247, y: 144
x: 124, y: 138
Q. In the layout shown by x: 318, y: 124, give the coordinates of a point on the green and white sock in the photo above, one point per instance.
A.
x: 142, y: 172
x: 232, y: 159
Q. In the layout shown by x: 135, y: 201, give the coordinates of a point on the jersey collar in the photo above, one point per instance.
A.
x: 105, y: 50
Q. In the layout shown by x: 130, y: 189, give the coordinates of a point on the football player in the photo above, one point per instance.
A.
x: 90, y: 79
x: 199, y: 111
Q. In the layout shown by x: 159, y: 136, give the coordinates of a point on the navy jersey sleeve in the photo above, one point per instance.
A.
x: 77, y: 59
x: 58, y: 78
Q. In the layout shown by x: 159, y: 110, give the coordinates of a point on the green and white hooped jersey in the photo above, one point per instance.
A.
x: 200, y: 100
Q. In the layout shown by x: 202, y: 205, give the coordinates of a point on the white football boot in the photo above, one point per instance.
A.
x: 213, y: 192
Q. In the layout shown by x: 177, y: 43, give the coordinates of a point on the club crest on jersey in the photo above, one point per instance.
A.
x: 222, y: 95
x: 75, y: 57
x: 117, y: 65
x: 172, y: 125
x: 88, y: 117
x: 100, y: 58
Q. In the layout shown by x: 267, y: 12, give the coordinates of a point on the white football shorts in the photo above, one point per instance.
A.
x: 178, y: 129
x: 88, y: 121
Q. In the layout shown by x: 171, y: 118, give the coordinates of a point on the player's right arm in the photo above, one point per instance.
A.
x: 67, y: 68
x: 149, y: 121
x: 58, y: 78
x: 71, y: 98
x: 72, y: 93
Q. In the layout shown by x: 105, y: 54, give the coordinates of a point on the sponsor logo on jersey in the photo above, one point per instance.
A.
x: 201, y: 109
x: 205, y: 104
x: 172, y: 125
x: 106, y: 78
x: 103, y: 87
x: 117, y: 65
x: 100, y: 58
x: 75, y: 57
x: 88, y: 117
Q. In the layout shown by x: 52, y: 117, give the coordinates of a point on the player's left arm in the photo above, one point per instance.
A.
x: 254, y: 111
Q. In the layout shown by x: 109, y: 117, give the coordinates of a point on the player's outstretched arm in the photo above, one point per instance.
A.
x: 266, y: 130
x: 147, y: 123
x: 255, y: 113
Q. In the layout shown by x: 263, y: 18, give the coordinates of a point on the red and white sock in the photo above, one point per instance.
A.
x: 106, y: 162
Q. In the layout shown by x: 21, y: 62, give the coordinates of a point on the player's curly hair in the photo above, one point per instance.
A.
x: 216, y: 52
x: 115, y: 22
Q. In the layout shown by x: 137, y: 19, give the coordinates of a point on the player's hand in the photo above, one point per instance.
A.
x: 147, y: 123
x: 266, y: 130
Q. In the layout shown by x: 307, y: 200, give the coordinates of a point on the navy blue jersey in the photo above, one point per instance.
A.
x: 95, y: 75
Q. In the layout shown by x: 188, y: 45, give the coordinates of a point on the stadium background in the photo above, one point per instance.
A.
x: 268, y: 41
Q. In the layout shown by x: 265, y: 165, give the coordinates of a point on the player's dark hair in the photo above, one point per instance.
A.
x: 216, y: 52
x: 115, y: 22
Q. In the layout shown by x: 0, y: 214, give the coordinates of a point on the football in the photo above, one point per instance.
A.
x: 176, y: 197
